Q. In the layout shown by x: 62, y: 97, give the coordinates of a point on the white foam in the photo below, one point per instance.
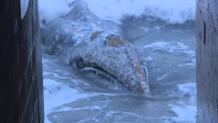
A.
x: 162, y: 77
x: 57, y: 94
x: 149, y: 58
x: 187, y: 64
x: 62, y: 109
x: 173, y: 11
x: 186, y: 112
x: 189, y: 88
x: 171, y: 47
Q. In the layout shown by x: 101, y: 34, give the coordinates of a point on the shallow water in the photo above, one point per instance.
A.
x: 168, y: 52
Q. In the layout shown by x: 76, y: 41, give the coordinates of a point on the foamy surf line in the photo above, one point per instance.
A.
x: 171, y: 47
x: 172, y: 11
x: 186, y: 112
x: 56, y: 94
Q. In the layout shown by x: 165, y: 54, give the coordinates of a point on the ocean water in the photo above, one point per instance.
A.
x: 166, y: 47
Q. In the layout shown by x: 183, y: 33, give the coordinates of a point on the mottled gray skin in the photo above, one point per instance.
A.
x: 87, y: 41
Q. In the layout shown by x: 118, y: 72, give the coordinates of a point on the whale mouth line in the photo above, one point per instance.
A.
x: 94, y: 67
x: 86, y: 65
x: 104, y: 74
x: 101, y: 71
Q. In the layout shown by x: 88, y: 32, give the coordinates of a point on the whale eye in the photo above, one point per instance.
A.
x: 80, y: 63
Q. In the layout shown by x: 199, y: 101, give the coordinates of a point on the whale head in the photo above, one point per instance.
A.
x: 115, y: 56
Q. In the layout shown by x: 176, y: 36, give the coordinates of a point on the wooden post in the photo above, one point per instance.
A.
x: 21, y: 89
x: 207, y: 61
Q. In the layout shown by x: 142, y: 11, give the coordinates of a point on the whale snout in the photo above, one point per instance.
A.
x: 114, y: 55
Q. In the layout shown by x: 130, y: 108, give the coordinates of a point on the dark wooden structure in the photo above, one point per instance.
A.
x: 207, y: 61
x: 21, y: 89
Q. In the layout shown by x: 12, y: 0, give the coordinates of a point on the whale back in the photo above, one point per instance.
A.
x: 80, y: 12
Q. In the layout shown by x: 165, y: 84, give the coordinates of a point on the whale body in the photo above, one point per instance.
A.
x: 88, y: 42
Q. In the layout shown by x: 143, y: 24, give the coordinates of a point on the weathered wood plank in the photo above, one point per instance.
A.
x: 21, y: 89
x: 207, y: 61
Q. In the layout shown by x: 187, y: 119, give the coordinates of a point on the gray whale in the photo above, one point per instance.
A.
x: 88, y: 42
